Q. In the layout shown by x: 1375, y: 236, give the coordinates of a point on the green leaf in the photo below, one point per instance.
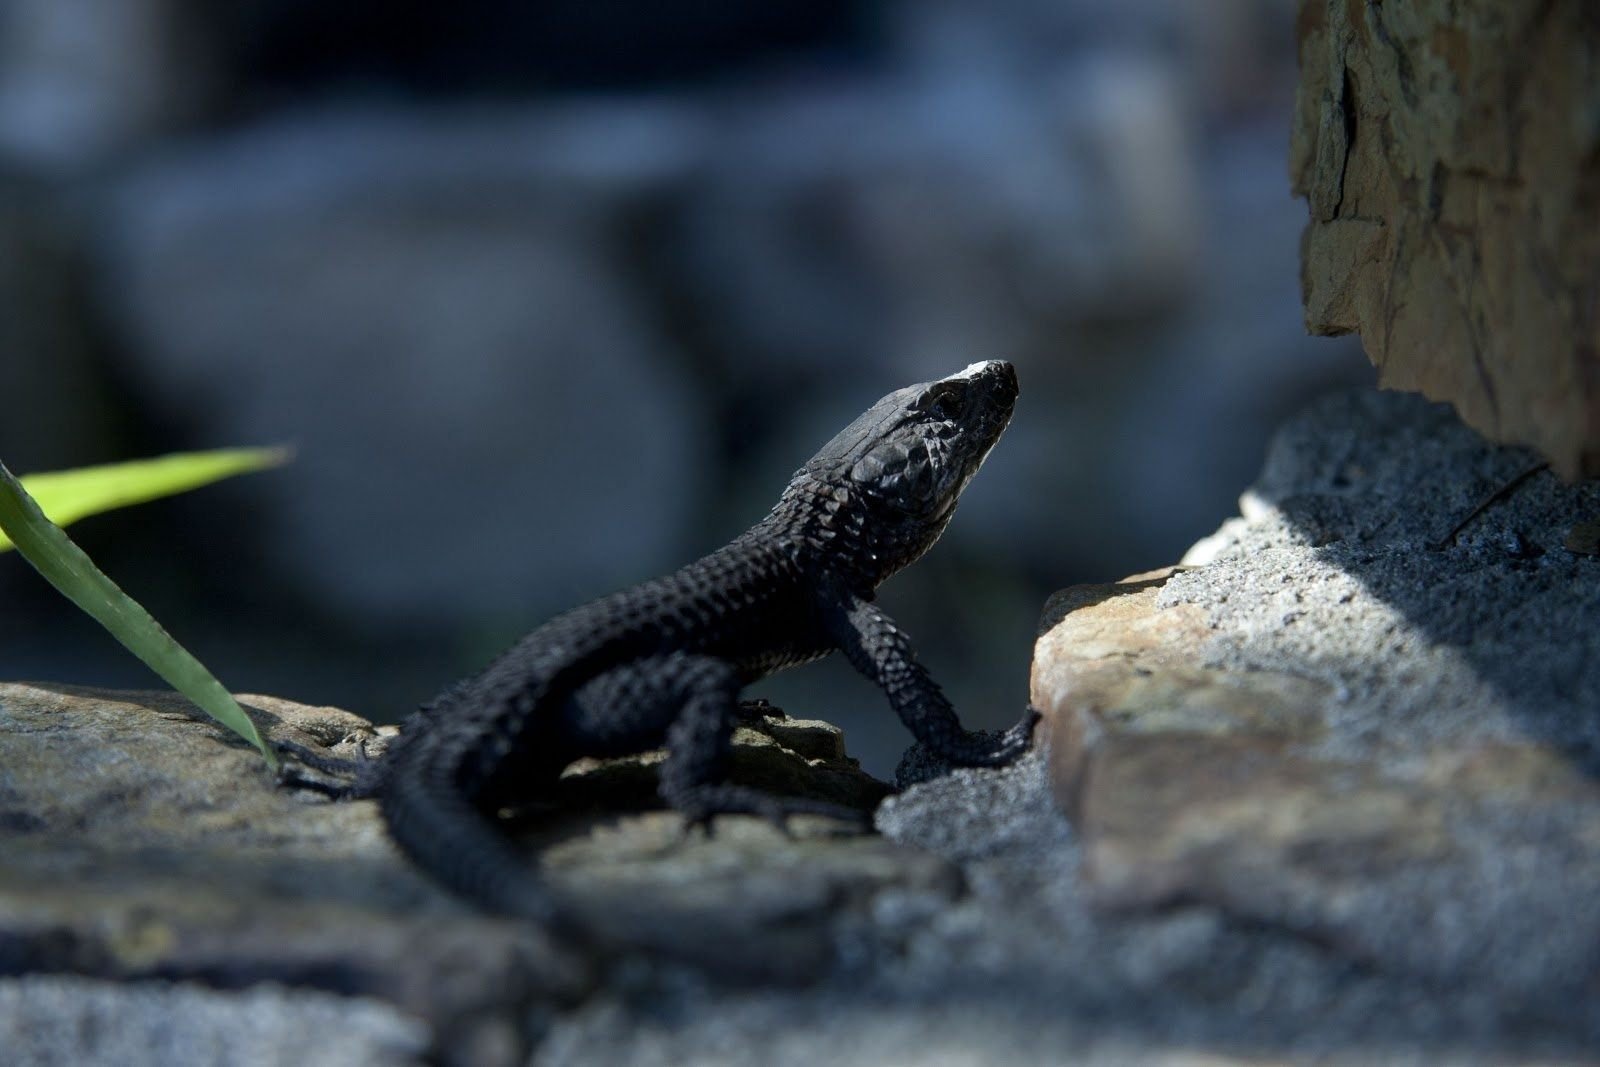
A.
x: 67, y: 496
x: 65, y: 566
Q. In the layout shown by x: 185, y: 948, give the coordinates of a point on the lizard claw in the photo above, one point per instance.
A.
x: 1012, y: 743
x: 346, y: 778
x: 1020, y: 736
x: 977, y: 749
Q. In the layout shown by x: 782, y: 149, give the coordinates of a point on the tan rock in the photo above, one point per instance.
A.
x: 1450, y: 156
x: 1191, y: 782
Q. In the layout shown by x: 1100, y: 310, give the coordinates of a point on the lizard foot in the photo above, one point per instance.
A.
x: 700, y: 805
x: 981, y: 748
x: 335, y: 777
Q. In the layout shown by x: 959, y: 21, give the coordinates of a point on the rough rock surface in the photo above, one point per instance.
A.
x: 83, y: 1022
x: 172, y: 858
x: 1326, y: 796
x: 1450, y: 155
x: 1347, y: 724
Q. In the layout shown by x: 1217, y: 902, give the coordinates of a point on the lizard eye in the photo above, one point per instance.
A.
x: 945, y: 407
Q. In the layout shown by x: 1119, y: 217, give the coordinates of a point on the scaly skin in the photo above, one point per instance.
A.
x: 663, y: 662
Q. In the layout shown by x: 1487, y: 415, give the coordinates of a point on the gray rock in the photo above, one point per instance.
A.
x: 143, y: 843
x: 435, y: 310
x: 143, y: 847
x: 81, y: 80
x: 1024, y: 967
x: 1344, y: 727
x: 63, y: 1021
x: 1227, y: 892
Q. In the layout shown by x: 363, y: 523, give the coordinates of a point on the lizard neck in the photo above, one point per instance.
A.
x: 829, y: 530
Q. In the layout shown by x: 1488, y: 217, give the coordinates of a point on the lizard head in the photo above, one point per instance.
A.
x: 898, y: 470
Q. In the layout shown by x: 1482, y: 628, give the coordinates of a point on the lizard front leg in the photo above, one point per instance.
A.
x: 882, y: 652
x: 693, y: 777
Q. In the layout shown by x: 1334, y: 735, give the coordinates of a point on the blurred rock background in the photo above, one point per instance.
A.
x: 553, y: 297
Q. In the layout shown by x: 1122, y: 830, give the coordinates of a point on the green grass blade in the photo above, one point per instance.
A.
x: 65, y: 566
x: 67, y: 496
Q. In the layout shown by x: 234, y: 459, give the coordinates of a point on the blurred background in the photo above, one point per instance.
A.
x: 551, y: 297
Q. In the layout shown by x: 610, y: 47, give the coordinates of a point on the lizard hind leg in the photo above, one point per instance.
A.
x: 335, y: 777
x: 693, y: 777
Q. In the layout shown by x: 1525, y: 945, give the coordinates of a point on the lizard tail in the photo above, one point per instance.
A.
x: 434, y: 792
x: 434, y: 821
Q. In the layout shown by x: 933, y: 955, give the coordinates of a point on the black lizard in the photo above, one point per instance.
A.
x: 664, y: 661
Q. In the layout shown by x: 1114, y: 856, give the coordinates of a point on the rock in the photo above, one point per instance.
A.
x: 1339, y: 728
x: 143, y: 843
x: 436, y: 311
x: 791, y: 757
x: 1448, y: 153
x: 175, y: 859
x: 51, y: 1020
x: 1023, y: 968
x: 81, y: 80
x: 156, y: 884
x: 748, y: 905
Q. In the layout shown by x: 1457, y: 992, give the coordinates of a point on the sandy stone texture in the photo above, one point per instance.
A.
x: 1449, y: 153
